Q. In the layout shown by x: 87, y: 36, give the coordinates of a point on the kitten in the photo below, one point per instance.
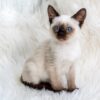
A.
x: 54, y: 60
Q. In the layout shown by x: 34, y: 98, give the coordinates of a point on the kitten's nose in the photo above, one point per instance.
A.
x: 61, y: 33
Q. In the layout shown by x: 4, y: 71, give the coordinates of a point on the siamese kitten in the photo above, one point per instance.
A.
x: 54, y: 60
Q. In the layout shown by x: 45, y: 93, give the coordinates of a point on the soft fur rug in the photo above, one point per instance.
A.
x: 23, y: 25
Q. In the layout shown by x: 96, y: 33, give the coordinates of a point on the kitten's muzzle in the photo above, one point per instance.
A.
x: 61, y: 35
x: 60, y: 32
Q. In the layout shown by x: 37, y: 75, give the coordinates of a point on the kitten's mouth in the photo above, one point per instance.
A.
x: 61, y: 38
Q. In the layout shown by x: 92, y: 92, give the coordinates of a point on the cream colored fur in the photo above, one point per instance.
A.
x: 54, y: 58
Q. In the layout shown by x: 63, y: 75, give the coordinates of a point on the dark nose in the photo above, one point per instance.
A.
x: 61, y: 32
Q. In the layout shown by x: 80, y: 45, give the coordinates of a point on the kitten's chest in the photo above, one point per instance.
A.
x: 67, y: 53
x: 61, y: 56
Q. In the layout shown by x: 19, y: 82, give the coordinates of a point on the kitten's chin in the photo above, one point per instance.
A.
x: 61, y: 41
x: 64, y: 41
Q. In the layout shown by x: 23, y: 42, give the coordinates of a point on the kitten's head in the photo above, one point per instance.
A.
x: 65, y: 28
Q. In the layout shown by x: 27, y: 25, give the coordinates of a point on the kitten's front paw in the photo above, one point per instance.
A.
x: 72, y: 89
x: 57, y: 87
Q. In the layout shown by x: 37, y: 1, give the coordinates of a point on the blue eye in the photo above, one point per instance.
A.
x: 69, y: 29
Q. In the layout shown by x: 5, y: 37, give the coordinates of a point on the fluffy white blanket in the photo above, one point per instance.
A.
x: 23, y: 25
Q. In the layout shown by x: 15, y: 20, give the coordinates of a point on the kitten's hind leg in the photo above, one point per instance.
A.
x: 30, y: 73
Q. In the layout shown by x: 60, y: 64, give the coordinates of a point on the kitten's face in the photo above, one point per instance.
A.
x: 64, y: 27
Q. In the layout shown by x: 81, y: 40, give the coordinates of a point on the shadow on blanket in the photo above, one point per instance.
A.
x: 42, y: 85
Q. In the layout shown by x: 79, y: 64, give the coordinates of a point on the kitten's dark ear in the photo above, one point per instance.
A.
x: 80, y: 16
x: 52, y: 13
